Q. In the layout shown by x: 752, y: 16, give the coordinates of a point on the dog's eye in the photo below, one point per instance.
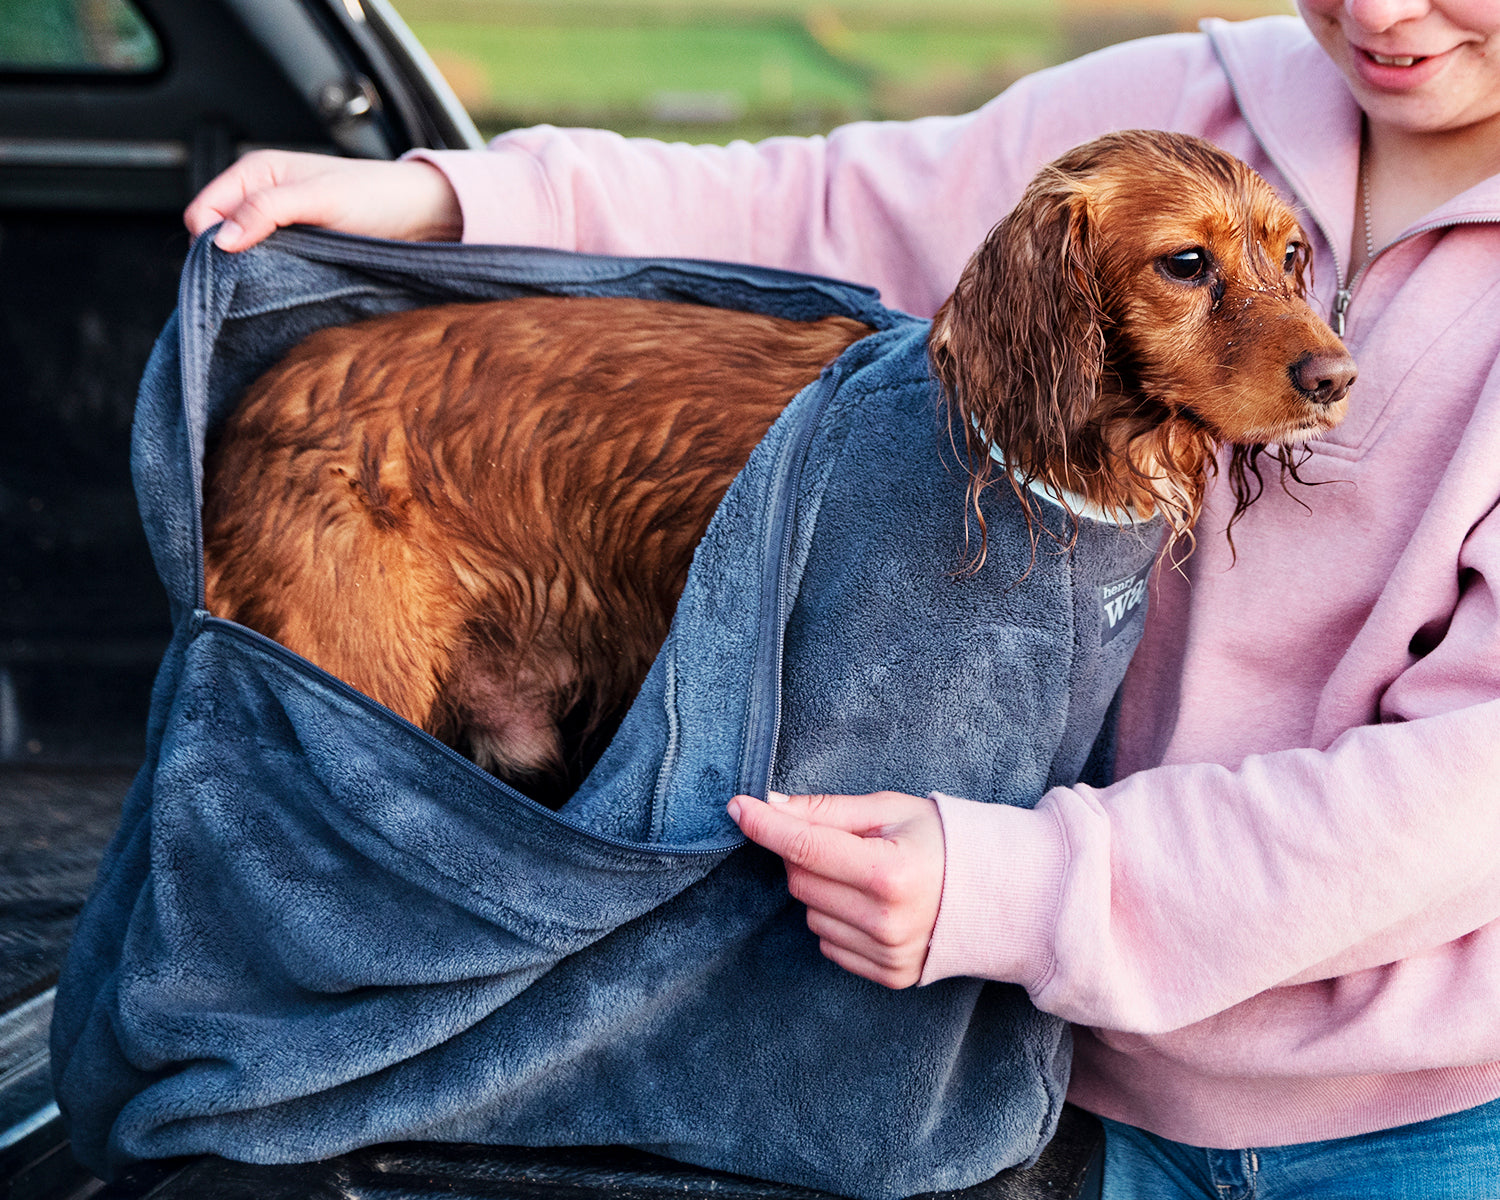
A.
x: 1290, y: 261
x: 1189, y: 264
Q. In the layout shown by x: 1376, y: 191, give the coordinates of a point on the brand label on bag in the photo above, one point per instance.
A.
x: 1122, y: 599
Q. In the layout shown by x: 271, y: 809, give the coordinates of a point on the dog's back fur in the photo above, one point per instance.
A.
x: 420, y: 505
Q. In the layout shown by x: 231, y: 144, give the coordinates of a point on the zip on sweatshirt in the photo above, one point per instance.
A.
x: 1345, y: 293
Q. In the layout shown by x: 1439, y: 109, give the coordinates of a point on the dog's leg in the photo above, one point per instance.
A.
x: 504, y: 706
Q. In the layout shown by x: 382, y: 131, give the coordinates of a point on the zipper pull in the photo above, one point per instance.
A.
x: 1340, y: 309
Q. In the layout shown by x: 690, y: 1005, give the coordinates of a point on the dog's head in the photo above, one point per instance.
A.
x: 1142, y: 304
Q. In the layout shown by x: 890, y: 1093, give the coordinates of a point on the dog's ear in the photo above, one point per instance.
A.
x: 1019, y: 346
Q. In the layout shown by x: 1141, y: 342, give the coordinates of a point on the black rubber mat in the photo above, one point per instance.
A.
x: 54, y: 825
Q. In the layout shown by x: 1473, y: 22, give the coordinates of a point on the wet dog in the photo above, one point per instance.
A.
x: 482, y: 515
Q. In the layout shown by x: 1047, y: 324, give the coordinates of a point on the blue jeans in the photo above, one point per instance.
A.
x: 1456, y: 1157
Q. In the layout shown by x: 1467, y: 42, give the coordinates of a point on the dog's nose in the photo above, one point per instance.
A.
x: 1325, y: 376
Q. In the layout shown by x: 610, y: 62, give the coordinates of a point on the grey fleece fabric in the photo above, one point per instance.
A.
x: 318, y: 928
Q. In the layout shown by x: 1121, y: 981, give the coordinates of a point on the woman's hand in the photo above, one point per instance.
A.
x: 869, y: 869
x: 410, y: 200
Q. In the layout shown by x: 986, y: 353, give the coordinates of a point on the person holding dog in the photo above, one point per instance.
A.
x: 1277, y: 932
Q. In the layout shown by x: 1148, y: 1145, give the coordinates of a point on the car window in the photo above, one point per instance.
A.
x: 76, y: 36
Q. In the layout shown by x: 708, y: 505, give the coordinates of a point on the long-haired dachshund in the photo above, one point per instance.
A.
x: 482, y: 515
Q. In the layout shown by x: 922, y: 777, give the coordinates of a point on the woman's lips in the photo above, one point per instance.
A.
x: 1395, y: 72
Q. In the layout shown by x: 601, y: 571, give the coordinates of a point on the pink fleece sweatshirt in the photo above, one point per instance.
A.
x: 1283, y: 923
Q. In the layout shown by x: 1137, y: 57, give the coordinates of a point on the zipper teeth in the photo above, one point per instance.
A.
x: 1430, y: 226
x: 773, y: 616
x: 793, y: 481
x: 1418, y: 231
x: 1345, y: 296
x: 782, y: 571
x: 308, y: 667
x: 193, y: 285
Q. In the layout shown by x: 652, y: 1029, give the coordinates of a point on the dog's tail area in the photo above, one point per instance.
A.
x: 332, y: 555
x: 324, y: 555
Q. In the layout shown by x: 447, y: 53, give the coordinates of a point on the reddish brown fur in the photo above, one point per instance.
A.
x: 483, y: 515
x: 1068, y: 346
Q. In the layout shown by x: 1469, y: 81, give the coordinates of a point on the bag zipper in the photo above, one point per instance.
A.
x: 763, y: 729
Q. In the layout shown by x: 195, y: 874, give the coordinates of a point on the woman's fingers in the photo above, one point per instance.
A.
x: 256, y: 172
x: 855, y: 951
x: 892, y: 922
x: 824, y: 849
x: 880, y: 948
x: 263, y: 212
x: 886, y: 844
x: 269, y: 189
x: 869, y: 869
x: 885, y: 941
x: 841, y: 901
x: 864, y: 815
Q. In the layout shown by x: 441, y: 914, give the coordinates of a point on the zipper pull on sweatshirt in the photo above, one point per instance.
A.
x: 1340, y: 309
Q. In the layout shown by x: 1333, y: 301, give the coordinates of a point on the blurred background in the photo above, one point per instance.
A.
x: 701, y: 70
x: 742, y: 68
x: 713, y: 70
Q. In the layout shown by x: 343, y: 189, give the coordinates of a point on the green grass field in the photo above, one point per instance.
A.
x: 708, y: 71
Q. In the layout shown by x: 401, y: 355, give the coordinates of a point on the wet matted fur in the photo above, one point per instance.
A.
x: 482, y: 515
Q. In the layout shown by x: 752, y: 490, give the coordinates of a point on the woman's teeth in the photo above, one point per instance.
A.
x: 1395, y: 60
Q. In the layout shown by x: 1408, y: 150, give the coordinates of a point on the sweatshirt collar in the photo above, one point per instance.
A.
x: 1301, y: 111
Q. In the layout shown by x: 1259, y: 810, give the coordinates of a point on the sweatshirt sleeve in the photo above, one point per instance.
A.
x: 821, y: 205
x: 897, y: 205
x: 1186, y: 889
